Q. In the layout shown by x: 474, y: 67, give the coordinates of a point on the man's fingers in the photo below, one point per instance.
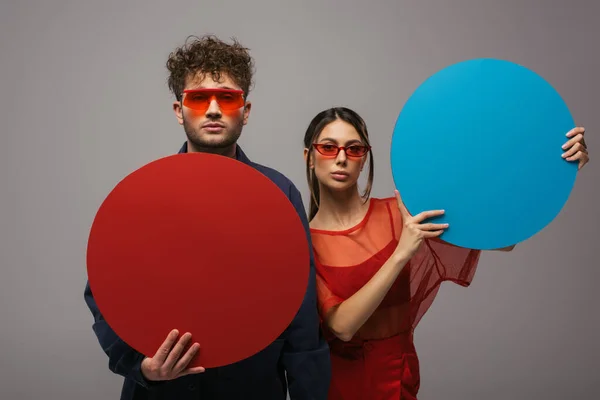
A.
x: 187, y: 357
x: 165, y: 348
x: 193, y: 370
x: 176, y: 351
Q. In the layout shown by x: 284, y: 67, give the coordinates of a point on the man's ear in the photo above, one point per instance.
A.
x: 178, y: 110
x: 247, y: 108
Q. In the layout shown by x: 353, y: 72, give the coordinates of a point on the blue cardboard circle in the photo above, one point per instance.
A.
x: 482, y: 140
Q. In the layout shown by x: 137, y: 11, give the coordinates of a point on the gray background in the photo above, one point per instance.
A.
x: 84, y: 102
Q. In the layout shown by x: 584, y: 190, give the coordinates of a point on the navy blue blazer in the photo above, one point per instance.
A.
x: 297, y: 361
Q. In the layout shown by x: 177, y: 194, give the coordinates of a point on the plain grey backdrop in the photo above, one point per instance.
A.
x: 84, y: 102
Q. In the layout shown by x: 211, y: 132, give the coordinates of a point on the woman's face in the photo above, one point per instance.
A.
x: 338, y: 171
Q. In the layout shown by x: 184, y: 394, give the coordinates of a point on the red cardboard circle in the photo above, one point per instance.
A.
x: 203, y: 244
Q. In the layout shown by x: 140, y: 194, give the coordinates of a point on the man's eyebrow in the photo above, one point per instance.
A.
x: 220, y: 87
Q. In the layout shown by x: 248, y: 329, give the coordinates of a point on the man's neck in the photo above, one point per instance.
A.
x: 224, y: 151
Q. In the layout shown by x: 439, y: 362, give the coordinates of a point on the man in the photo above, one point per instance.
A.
x: 211, y: 81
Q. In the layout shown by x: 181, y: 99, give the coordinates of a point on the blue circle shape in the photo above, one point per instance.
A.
x: 482, y: 139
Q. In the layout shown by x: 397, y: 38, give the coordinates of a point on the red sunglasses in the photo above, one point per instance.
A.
x: 199, y: 99
x: 332, y: 150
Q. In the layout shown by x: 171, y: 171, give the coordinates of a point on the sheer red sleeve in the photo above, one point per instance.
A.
x: 435, y: 262
x: 326, y: 299
x: 346, y: 260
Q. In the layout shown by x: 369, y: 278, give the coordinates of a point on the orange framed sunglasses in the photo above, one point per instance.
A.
x: 332, y: 150
x: 199, y: 99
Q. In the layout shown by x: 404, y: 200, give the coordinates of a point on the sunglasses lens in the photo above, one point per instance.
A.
x: 333, y: 150
x: 200, y: 100
x: 229, y: 101
x: 356, y: 151
x: 327, y: 149
x: 196, y: 101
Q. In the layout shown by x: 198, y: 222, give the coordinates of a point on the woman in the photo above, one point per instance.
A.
x: 378, y: 267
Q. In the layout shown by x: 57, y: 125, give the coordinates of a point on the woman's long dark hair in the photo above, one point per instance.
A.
x: 314, y: 129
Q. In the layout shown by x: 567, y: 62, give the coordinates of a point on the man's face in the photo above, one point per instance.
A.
x: 216, y: 126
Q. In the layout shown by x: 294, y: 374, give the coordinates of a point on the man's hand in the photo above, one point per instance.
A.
x: 167, y: 363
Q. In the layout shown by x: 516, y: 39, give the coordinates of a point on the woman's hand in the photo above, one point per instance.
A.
x: 575, y: 148
x: 414, y: 231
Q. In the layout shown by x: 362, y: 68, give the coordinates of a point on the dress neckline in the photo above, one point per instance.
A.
x: 352, y: 228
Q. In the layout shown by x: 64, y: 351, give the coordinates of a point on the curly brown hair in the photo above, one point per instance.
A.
x: 210, y: 55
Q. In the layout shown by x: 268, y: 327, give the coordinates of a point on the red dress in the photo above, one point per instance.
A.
x: 380, y: 362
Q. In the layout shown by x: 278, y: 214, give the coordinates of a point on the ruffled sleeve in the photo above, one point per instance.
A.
x: 435, y: 262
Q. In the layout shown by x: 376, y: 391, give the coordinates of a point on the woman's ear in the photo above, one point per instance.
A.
x: 306, y: 154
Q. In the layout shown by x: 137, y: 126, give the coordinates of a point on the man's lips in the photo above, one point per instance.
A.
x: 213, y: 127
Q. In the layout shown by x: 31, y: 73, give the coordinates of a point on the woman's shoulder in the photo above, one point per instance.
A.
x: 385, y: 200
x: 389, y: 205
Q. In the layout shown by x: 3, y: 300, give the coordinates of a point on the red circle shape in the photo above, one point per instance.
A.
x: 200, y: 243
